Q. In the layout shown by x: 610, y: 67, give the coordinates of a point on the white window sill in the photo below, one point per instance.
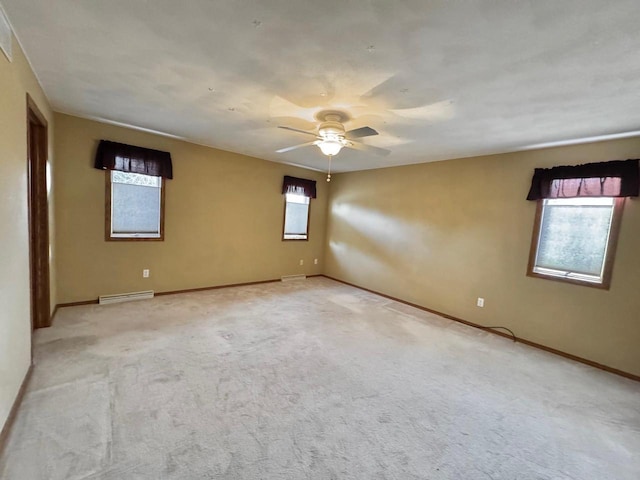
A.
x: 561, y: 274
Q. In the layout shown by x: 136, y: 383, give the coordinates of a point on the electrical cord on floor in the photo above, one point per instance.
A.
x: 513, y: 335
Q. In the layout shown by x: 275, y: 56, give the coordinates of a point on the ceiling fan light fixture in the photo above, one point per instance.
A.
x: 330, y: 147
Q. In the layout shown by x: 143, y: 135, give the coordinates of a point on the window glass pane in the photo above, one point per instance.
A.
x: 574, y: 235
x: 296, y: 216
x: 135, y: 204
x: 134, y: 179
x: 297, y: 198
x: 296, y: 219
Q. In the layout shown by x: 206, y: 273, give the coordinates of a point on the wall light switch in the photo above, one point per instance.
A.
x: 480, y: 302
x: 301, y: 262
x: 315, y: 261
x: 145, y: 273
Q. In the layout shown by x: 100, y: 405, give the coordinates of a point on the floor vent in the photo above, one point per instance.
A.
x: 125, y: 297
x: 288, y: 278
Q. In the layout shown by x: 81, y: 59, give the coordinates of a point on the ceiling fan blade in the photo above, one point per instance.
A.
x: 383, y: 152
x: 296, y: 130
x: 288, y: 149
x: 360, y: 132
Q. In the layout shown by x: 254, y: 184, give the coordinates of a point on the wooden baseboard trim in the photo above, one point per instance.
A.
x: 186, y: 290
x: 569, y: 356
x: 6, y: 429
x: 77, y: 304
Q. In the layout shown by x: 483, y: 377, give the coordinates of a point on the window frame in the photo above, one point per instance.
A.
x: 284, y: 220
x: 612, y: 242
x: 108, y: 214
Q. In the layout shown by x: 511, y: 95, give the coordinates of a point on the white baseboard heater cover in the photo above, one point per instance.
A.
x: 125, y: 297
x: 288, y: 278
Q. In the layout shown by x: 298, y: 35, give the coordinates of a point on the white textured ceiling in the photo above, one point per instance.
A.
x: 437, y: 79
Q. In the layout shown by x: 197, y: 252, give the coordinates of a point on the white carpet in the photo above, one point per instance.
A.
x: 309, y: 380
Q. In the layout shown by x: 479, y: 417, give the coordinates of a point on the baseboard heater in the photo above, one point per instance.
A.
x: 288, y: 278
x: 125, y: 297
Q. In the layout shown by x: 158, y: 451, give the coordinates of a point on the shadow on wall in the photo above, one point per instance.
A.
x: 376, y: 244
x: 401, y: 240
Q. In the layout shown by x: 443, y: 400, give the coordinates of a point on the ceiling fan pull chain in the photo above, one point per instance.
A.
x: 329, y: 172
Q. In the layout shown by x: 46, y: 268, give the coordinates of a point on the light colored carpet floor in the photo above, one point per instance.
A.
x: 309, y: 380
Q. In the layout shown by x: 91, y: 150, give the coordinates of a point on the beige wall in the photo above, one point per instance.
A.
x: 223, y: 219
x: 16, y: 80
x: 442, y: 234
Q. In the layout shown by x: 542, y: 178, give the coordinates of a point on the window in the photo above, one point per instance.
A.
x: 574, y: 239
x: 298, y: 194
x: 296, y: 217
x: 134, y: 199
x: 134, y: 206
x: 578, y: 219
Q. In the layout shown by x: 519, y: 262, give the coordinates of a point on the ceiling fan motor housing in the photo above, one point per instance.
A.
x: 331, y: 128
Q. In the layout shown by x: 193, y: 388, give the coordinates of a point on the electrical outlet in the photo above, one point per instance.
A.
x: 480, y: 302
x: 301, y: 262
x: 315, y: 261
x: 145, y: 273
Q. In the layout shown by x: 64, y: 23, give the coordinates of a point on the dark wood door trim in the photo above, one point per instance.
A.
x: 37, y: 152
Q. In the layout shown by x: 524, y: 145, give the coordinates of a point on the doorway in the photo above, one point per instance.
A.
x: 37, y: 150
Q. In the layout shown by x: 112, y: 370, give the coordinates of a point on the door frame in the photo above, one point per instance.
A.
x: 38, y: 205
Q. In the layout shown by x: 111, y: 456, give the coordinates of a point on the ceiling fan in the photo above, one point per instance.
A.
x: 332, y: 137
